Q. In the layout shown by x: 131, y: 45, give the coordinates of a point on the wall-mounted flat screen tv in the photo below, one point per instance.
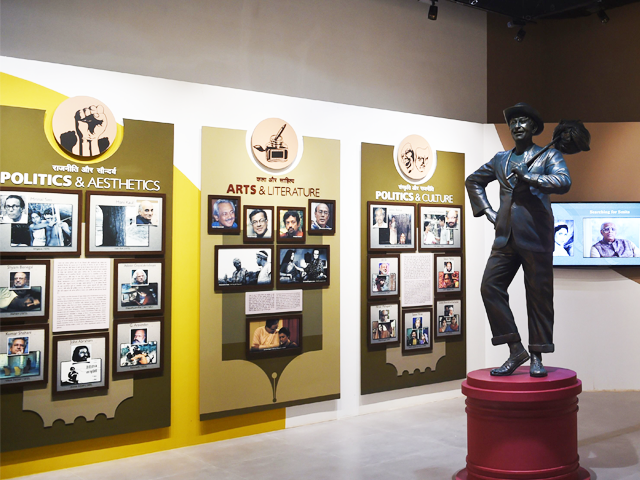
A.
x: 596, y: 234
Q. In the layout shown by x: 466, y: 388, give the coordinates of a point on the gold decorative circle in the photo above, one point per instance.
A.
x: 415, y: 159
x: 274, y: 144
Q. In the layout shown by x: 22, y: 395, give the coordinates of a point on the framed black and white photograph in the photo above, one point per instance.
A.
x: 119, y: 224
x: 137, y: 345
x: 417, y: 330
x: 291, y: 224
x: 383, y: 275
x: 223, y: 215
x: 243, y: 268
x: 448, y: 273
x: 258, y: 224
x: 24, y: 352
x: 440, y: 227
x: 274, y: 336
x: 448, y: 317
x: 138, y: 286
x: 80, y: 362
x: 383, y: 323
x: 391, y: 226
x: 40, y: 223
x: 322, y: 217
x: 24, y: 290
x: 303, y: 267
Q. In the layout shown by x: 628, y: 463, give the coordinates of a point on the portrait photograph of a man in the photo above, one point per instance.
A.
x: 258, y: 225
x: 21, y: 289
x: 13, y: 208
x: 611, y: 237
x: 224, y: 215
x: 22, y: 350
x: 80, y: 361
x: 138, y: 286
x: 291, y: 224
x: 137, y: 345
x: 322, y: 217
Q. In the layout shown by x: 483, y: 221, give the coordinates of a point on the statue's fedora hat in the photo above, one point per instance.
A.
x: 526, y: 110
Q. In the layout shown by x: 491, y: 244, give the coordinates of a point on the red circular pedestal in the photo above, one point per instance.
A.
x: 522, y: 428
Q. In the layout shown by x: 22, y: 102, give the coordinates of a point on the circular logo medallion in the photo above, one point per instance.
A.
x: 415, y: 160
x: 84, y: 126
x: 274, y: 144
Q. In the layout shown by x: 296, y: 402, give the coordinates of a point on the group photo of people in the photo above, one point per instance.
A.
x: 391, y: 226
x: 132, y: 354
x: 303, y: 265
x: 383, y: 322
x: 243, y: 266
x: 274, y: 334
x: 440, y: 228
x: 21, y: 289
x: 21, y: 354
x: 417, y: 331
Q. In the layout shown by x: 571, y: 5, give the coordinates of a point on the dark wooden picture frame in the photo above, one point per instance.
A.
x: 248, y: 233
x: 373, y: 322
x: 143, y: 293
x: 390, y: 239
x: 455, y: 234
x: 21, y: 372
x: 137, y: 353
x: 312, y: 217
x: 407, y: 314
x: 20, y: 250
x: 281, y: 225
x: 236, y: 201
x: 56, y: 367
x: 377, y: 286
x: 439, y: 314
x: 159, y: 235
x: 298, y: 272
x: 224, y: 274
x: 276, y: 351
x: 25, y: 299
x: 443, y: 277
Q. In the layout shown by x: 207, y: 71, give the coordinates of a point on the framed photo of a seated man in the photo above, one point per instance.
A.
x: 383, y: 323
x: 243, y: 268
x: 137, y: 346
x: 258, y: 224
x: 24, y: 352
x: 417, y: 329
x: 322, y: 217
x: 440, y: 227
x: 274, y: 336
x: 39, y: 223
x: 448, y: 318
x: 119, y: 224
x: 448, y: 274
x: 138, y: 287
x: 291, y: 224
x: 304, y: 267
x: 383, y: 275
x: 80, y: 362
x: 391, y: 226
x: 24, y: 290
x: 224, y: 215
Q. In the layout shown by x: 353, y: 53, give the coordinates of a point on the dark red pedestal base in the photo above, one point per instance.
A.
x: 522, y: 428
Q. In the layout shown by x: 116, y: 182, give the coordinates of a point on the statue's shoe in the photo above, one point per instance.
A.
x: 511, y: 364
x: 536, y: 369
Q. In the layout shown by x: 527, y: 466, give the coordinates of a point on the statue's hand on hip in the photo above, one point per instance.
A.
x: 491, y: 215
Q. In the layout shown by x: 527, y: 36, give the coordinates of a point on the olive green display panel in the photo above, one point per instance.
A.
x: 230, y: 383
x: 379, y: 174
x: 146, y: 153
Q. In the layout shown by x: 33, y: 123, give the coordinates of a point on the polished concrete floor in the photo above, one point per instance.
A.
x: 426, y: 442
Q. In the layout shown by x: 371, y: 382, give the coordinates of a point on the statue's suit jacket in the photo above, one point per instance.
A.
x: 525, y: 210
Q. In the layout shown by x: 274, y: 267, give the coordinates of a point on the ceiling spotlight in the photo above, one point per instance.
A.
x: 520, y: 35
x: 433, y: 10
x: 602, y: 15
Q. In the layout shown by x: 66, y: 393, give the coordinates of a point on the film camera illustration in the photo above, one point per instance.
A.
x: 276, y: 150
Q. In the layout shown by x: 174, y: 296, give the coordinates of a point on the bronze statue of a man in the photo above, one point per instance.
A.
x: 524, y: 236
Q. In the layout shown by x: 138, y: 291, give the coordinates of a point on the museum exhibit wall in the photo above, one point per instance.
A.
x: 375, y: 53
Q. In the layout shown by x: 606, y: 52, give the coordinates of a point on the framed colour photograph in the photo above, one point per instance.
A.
x: 417, y: 329
x: 137, y: 346
x: 448, y: 318
x: 382, y: 323
x: 440, y: 227
x: 138, y: 287
x: 383, y: 275
x: 291, y: 224
x: 274, y: 336
x: 322, y: 217
x: 80, y: 362
x: 243, y: 268
x: 24, y: 290
x: 38, y: 223
x: 303, y: 267
x: 223, y: 215
x: 448, y: 274
x: 119, y: 224
x: 391, y: 226
x: 24, y: 352
x: 258, y: 224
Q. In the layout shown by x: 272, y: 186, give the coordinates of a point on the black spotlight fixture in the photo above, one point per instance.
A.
x: 602, y: 15
x: 520, y: 35
x: 433, y: 10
